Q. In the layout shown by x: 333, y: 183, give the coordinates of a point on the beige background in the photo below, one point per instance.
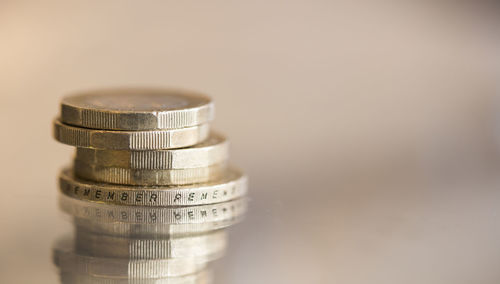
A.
x: 368, y: 128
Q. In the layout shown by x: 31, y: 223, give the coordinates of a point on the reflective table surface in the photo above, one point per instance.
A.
x: 380, y: 229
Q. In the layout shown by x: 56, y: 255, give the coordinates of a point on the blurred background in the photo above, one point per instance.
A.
x: 369, y: 129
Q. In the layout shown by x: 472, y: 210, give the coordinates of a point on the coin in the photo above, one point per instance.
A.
x: 231, y: 185
x: 212, y: 151
x: 128, y: 176
x: 150, y: 248
x: 136, y: 109
x: 129, y: 140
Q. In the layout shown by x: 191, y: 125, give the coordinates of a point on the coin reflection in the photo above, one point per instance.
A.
x: 133, y: 244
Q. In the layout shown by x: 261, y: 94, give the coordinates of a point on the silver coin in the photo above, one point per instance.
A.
x: 212, y: 151
x: 128, y: 176
x: 232, y: 185
x: 136, y: 109
x: 129, y: 140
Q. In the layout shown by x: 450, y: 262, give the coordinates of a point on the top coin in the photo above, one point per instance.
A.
x: 136, y: 109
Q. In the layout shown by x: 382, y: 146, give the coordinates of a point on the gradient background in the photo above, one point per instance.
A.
x: 369, y: 129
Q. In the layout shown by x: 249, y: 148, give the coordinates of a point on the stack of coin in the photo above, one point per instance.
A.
x: 150, y: 190
x: 145, y: 147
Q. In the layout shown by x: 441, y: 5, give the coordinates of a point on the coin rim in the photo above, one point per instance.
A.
x: 181, y: 195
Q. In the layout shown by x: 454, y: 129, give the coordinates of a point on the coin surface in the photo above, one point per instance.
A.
x: 136, y: 109
x: 129, y: 140
x: 212, y: 151
x: 127, y: 176
x: 231, y: 185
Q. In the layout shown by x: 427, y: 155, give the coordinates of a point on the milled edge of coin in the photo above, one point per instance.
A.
x: 199, y: 245
x: 126, y: 176
x: 109, y: 119
x: 101, y: 213
x: 129, y: 140
x: 231, y: 186
x: 212, y: 151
